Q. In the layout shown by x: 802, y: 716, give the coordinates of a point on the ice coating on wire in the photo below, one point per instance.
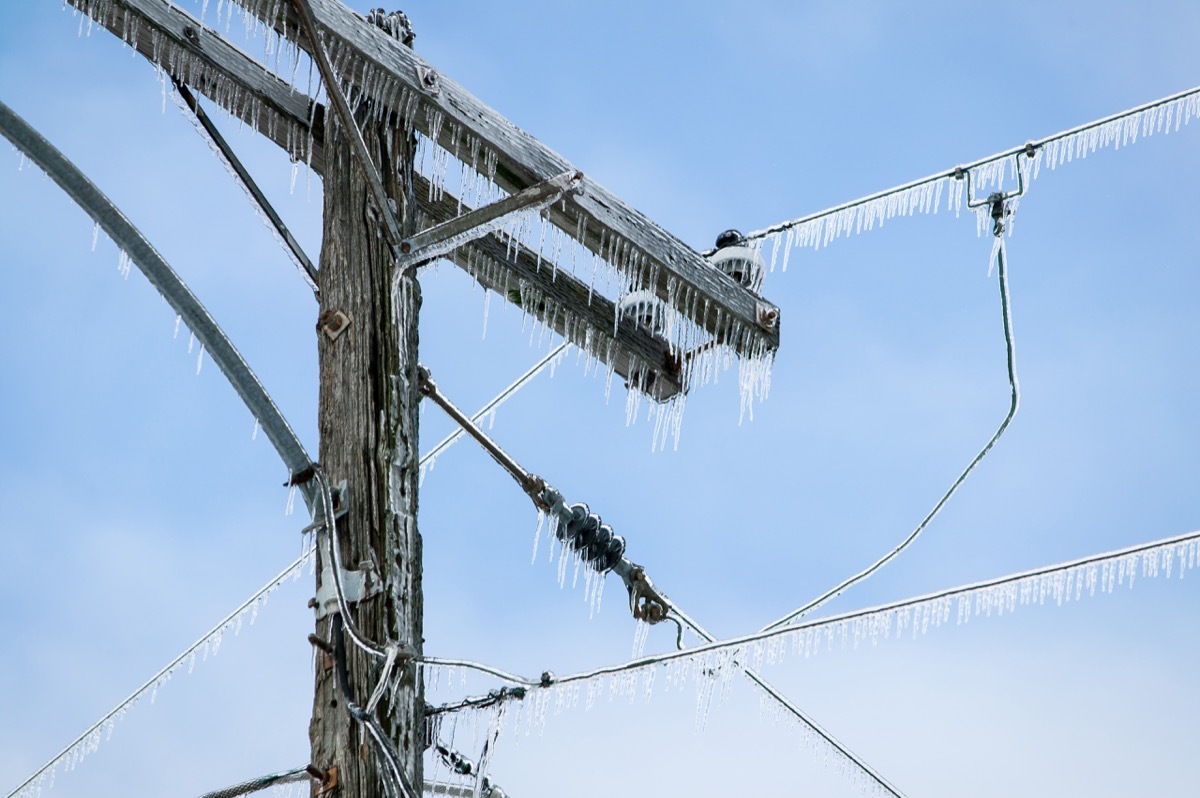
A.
x: 945, y: 189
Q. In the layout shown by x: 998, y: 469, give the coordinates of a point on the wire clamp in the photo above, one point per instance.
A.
x: 645, y: 602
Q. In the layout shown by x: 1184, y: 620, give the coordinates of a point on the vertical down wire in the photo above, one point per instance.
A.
x: 1014, y: 403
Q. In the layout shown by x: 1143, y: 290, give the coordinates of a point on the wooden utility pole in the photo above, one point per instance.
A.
x: 367, y: 320
x: 367, y: 343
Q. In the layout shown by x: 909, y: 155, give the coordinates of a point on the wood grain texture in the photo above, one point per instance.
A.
x: 368, y: 427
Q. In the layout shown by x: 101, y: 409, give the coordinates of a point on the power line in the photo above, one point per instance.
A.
x: 262, y: 783
x: 1002, y: 594
x: 1014, y: 404
x: 925, y: 194
x: 1061, y: 583
x: 86, y: 742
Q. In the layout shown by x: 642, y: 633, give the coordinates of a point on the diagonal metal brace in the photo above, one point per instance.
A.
x: 391, y: 225
x: 450, y: 235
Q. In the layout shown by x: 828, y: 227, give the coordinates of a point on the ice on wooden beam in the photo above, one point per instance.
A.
x: 397, y: 80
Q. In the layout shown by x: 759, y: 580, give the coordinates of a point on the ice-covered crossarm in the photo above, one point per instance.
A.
x: 946, y: 189
x: 402, y: 84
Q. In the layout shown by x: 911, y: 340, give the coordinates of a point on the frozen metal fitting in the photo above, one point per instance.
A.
x: 547, y: 678
x: 999, y: 213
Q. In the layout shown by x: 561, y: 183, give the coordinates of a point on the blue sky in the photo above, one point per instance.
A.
x: 139, y: 510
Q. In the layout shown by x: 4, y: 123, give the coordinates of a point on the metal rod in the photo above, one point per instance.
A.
x: 391, y: 226
x: 450, y: 235
x: 529, y: 482
x: 248, y: 183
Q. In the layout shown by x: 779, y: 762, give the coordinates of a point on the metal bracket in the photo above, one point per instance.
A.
x: 333, y: 323
x: 645, y: 602
x: 449, y: 236
x: 357, y: 586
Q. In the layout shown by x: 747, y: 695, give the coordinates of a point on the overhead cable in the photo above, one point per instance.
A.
x: 262, y: 783
x: 1060, y: 583
x: 924, y: 195
x: 1013, y: 404
x: 86, y: 742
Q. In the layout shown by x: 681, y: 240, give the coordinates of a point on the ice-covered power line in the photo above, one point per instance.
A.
x: 926, y: 194
x: 91, y: 737
x: 87, y: 742
x: 998, y: 257
x: 1060, y: 583
x: 262, y: 783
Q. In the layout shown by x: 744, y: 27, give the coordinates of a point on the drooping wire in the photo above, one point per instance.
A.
x: 1014, y: 403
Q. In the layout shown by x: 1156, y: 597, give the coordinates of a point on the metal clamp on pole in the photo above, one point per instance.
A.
x: 449, y: 236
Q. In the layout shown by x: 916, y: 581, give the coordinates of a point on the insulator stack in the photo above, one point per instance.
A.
x: 590, y: 538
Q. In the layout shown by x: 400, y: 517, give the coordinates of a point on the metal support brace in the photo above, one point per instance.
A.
x: 391, y: 226
x: 251, y: 187
x: 449, y: 236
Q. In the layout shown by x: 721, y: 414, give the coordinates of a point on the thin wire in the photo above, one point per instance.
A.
x: 882, y: 609
x: 949, y: 173
x: 1014, y: 403
x: 359, y: 639
x: 783, y: 700
x: 497, y: 400
x: 150, y: 683
x: 471, y: 665
x: 261, y: 783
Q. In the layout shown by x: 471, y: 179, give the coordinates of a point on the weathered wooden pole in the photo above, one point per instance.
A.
x: 367, y: 343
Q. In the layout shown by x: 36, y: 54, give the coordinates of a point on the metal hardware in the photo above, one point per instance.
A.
x: 450, y: 235
x: 768, y: 315
x: 333, y: 323
x: 357, y: 586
